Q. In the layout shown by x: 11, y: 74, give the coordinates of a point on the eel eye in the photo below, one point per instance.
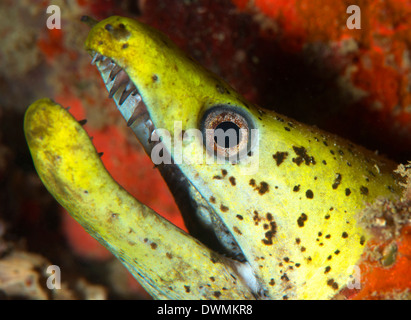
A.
x: 226, y: 132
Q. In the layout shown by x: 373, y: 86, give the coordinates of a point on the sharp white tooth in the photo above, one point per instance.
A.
x: 106, y: 65
x: 97, y: 57
x: 124, y: 96
x: 121, y: 79
x: 114, y: 72
x: 136, y: 113
x: 126, y: 93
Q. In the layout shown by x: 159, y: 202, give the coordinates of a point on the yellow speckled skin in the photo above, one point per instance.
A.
x: 294, y: 218
x: 166, y: 261
x: 291, y: 206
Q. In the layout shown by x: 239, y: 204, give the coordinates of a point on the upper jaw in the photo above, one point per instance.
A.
x: 128, y: 99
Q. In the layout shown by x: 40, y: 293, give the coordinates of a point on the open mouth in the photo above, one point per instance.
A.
x: 212, y: 231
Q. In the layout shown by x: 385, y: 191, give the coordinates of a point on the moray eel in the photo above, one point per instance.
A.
x: 272, y: 213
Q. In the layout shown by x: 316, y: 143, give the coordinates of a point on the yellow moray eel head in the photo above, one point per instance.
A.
x: 280, y: 201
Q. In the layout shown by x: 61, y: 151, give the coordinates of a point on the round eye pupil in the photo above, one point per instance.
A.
x: 227, y: 134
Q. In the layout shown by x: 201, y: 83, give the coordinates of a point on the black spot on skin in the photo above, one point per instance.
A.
x: 109, y: 27
x: 301, y: 152
x: 223, y: 208
x: 347, y: 192
x: 272, y: 282
x: 297, y: 265
x: 154, y: 78
x: 256, y: 218
x: 327, y: 216
x: 269, y: 235
x: 284, y: 277
x: 332, y: 284
x: 344, y: 235
x: 296, y: 188
x: 262, y: 188
x: 269, y: 216
x: 212, y: 279
x: 232, y: 181
x: 169, y: 255
x: 224, y: 172
x: 328, y: 236
x: 287, y: 129
x: 217, y: 177
x: 285, y: 297
x: 217, y: 294
x: 303, y: 249
x: 301, y: 220
x: 364, y: 190
x: 153, y: 245
x: 297, y: 240
x: 187, y: 289
x: 337, y: 181
x: 236, y: 230
x: 309, y: 194
x: 212, y: 199
x: 286, y: 259
x: 324, y: 162
x: 362, y: 240
x: 124, y: 46
x: 239, y: 217
x: 341, y: 152
x: 327, y: 269
x: 279, y: 157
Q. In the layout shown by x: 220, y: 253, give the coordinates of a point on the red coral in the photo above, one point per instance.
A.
x: 379, y: 282
x: 378, y: 63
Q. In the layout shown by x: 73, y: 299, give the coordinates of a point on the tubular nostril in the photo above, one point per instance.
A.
x: 109, y: 27
x: 88, y: 21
